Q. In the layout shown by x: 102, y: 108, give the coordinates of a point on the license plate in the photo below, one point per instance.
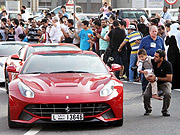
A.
x: 67, y: 117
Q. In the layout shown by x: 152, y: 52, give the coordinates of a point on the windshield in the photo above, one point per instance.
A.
x: 9, y: 48
x: 64, y: 63
x: 50, y: 48
x: 133, y: 14
x: 57, y: 10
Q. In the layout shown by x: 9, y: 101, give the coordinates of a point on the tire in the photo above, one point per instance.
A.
x: 12, y: 124
x: 6, y: 85
x: 6, y: 81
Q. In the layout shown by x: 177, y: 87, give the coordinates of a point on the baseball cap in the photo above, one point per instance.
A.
x: 131, y: 27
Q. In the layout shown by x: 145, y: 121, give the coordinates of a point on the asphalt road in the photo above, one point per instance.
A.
x: 135, y: 123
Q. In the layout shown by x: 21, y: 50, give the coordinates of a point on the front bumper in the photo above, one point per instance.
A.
x: 20, y: 113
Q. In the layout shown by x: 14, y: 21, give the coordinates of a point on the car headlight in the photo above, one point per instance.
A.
x: 108, y: 89
x: 25, y: 90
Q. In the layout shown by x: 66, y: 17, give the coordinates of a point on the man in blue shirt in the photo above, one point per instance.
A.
x: 151, y: 44
x: 63, y: 9
x: 85, y: 35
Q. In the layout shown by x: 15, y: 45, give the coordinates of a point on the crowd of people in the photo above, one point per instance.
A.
x: 109, y: 35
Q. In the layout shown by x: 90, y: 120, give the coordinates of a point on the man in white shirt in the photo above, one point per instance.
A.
x: 55, y: 32
x: 166, y: 15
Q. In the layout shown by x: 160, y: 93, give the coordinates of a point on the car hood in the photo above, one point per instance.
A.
x: 66, y: 83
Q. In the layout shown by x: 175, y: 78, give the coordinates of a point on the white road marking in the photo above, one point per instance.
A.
x: 34, y: 130
x: 177, y: 90
x: 1, y: 89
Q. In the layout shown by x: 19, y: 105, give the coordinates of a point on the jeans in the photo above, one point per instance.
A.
x: 133, y: 59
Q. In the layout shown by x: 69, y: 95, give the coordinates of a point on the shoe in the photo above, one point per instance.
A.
x: 160, y: 93
x: 143, y: 92
x: 121, y: 78
x: 147, y: 113
x: 126, y: 79
x: 166, y: 114
x: 155, y: 96
x: 137, y: 80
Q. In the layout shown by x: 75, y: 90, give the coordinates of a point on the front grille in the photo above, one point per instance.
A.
x: 45, y: 110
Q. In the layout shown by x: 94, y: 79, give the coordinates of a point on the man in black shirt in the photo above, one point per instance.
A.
x: 163, y: 75
x: 116, y: 37
x: 33, y: 32
x: 10, y: 28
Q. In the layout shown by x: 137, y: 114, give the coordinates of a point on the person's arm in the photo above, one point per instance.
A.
x: 64, y: 33
x: 140, y: 65
x: 168, y: 78
x: 27, y: 29
x: 76, y: 17
x: 121, y: 46
x: 99, y: 36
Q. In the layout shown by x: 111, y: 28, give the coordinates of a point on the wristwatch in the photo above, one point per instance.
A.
x: 156, y: 79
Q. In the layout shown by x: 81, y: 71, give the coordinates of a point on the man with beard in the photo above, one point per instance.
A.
x: 163, y: 76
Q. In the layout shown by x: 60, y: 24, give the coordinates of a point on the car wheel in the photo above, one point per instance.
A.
x: 6, y: 85
x: 12, y: 124
x: 6, y: 81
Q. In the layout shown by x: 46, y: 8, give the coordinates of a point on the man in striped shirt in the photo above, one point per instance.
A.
x: 133, y: 38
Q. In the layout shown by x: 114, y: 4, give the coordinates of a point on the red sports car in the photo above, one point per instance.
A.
x: 18, y: 59
x: 65, y: 86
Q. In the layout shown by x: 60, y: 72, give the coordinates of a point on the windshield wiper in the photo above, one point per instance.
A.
x: 71, y: 71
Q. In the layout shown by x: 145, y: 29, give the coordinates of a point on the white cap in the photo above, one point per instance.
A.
x: 132, y: 27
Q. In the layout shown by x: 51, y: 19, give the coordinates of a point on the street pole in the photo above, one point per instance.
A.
x: 20, y: 4
x: 74, y: 12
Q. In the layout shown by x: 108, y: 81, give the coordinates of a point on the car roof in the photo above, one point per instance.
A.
x: 62, y: 52
x: 6, y: 42
x: 53, y: 44
x: 130, y: 9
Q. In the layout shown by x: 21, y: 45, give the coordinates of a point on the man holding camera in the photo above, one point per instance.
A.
x: 163, y: 76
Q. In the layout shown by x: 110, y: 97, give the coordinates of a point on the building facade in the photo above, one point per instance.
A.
x: 93, y: 6
x: 90, y: 6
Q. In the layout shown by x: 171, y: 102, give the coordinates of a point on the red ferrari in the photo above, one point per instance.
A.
x: 18, y: 59
x: 65, y: 86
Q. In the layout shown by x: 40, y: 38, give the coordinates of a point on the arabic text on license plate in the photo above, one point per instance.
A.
x: 67, y: 117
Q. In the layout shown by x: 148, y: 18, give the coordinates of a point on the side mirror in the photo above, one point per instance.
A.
x: 115, y: 67
x: 15, y: 57
x: 11, y: 69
